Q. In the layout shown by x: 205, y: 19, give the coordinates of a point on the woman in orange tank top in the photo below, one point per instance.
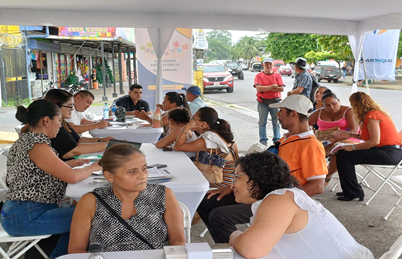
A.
x: 381, y: 146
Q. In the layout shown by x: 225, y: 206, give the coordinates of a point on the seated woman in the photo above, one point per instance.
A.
x: 151, y: 210
x: 318, y: 97
x: 215, y: 134
x: 332, y: 115
x: 178, y: 118
x: 286, y: 221
x: 68, y: 143
x: 381, y: 146
x: 37, y: 178
x: 171, y: 101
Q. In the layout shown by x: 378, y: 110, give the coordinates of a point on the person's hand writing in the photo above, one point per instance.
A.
x: 77, y: 162
x: 103, y: 124
x: 96, y: 166
x: 223, y: 191
x: 141, y: 115
x: 341, y: 134
x: 107, y: 139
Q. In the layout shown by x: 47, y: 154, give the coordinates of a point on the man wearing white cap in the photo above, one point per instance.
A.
x: 269, y: 86
x: 304, y: 154
x: 300, y: 149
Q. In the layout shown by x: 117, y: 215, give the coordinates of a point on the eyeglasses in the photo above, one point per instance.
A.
x: 69, y: 107
x: 236, y: 176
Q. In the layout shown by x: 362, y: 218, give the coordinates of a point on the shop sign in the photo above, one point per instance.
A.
x: 102, y: 32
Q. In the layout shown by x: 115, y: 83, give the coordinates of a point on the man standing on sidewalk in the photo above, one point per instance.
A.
x: 303, y: 83
x: 269, y: 86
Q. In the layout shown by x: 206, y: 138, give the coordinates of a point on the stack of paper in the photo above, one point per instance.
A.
x: 159, y: 175
x: 339, y: 146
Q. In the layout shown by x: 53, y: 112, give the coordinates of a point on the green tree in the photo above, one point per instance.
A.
x: 334, y: 47
x: 289, y: 46
x: 399, y: 53
x: 246, y: 47
x: 219, y: 45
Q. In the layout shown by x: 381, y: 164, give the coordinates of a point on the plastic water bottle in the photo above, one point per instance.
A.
x: 156, y: 119
x: 95, y: 250
x: 113, y: 107
x: 105, y: 112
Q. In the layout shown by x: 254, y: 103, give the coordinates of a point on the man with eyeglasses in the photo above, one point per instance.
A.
x: 82, y: 101
x: 299, y: 148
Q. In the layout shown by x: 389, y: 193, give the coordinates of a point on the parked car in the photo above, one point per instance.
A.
x: 285, y: 70
x: 244, y: 66
x: 277, y: 65
x: 216, y: 77
x: 327, y: 72
x: 256, y: 67
x: 235, y: 69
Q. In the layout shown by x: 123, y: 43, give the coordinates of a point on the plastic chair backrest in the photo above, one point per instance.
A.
x: 3, y: 172
x: 187, y: 220
x: 395, y: 251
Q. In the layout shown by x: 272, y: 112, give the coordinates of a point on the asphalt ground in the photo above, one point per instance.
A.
x: 364, y: 222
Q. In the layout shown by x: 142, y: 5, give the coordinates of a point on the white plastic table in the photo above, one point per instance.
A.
x: 149, y: 254
x: 136, y: 132
x: 189, y: 186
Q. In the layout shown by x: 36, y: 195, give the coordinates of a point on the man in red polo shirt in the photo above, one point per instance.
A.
x: 269, y: 86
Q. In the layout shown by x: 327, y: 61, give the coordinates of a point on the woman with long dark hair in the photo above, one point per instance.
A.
x: 68, y: 143
x: 286, y: 221
x: 37, y: 178
x: 172, y: 100
x: 216, y: 134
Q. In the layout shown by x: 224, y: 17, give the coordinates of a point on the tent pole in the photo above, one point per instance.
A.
x: 114, y: 73
x: 129, y: 66
x: 120, y: 70
x: 365, y: 73
x: 104, y: 97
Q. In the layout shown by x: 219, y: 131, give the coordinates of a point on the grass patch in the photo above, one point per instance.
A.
x: 13, y: 102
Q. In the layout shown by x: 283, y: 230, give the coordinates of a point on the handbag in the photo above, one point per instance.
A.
x: 210, y: 164
x: 121, y: 220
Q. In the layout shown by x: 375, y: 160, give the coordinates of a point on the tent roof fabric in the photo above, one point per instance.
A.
x: 341, y: 17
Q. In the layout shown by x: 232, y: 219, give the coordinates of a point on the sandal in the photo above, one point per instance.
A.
x: 327, y: 181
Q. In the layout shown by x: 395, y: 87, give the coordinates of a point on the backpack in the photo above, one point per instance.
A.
x: 314, y: 88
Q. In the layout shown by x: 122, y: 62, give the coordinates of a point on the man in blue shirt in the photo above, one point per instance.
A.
x: 303, y: 82
x: 193, y: 95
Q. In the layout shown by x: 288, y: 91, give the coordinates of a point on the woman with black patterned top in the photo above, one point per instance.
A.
x: 37, y: 178
x: 151, y: 210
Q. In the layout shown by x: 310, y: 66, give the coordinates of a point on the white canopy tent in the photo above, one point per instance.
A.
x: 342, y: 17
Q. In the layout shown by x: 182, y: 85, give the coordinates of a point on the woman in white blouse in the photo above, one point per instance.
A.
x: 286, y: 223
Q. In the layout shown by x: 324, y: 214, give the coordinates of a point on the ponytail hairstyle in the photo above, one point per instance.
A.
x: 179, y: 116
x: 59, y: 97
x: 328, y: 93
x: 222, y: 127
x: 36, y: 111
x: 179, y: 99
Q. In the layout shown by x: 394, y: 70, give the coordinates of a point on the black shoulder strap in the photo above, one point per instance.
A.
x: 119, y: 218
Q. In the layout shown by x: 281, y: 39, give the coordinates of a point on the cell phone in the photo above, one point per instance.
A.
x: 167, y: 149
x: 157, y: 166
x: 99, y: 180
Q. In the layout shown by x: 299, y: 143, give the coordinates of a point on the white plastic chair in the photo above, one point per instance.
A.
x: 395, y: 251
x: 373, y: 169
x: 19, y: 244
x: 187, y: 220
x: 19, y: 128
x: 397, y: 179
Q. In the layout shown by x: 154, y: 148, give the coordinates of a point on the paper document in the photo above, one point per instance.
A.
x: 339, y: 146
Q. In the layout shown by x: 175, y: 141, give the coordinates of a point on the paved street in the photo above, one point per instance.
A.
x: 239, y: 108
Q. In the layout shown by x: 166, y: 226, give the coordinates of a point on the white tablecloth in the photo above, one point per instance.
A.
x: 149, y: 254
x: 130, y: 133
x: 189, y: 186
